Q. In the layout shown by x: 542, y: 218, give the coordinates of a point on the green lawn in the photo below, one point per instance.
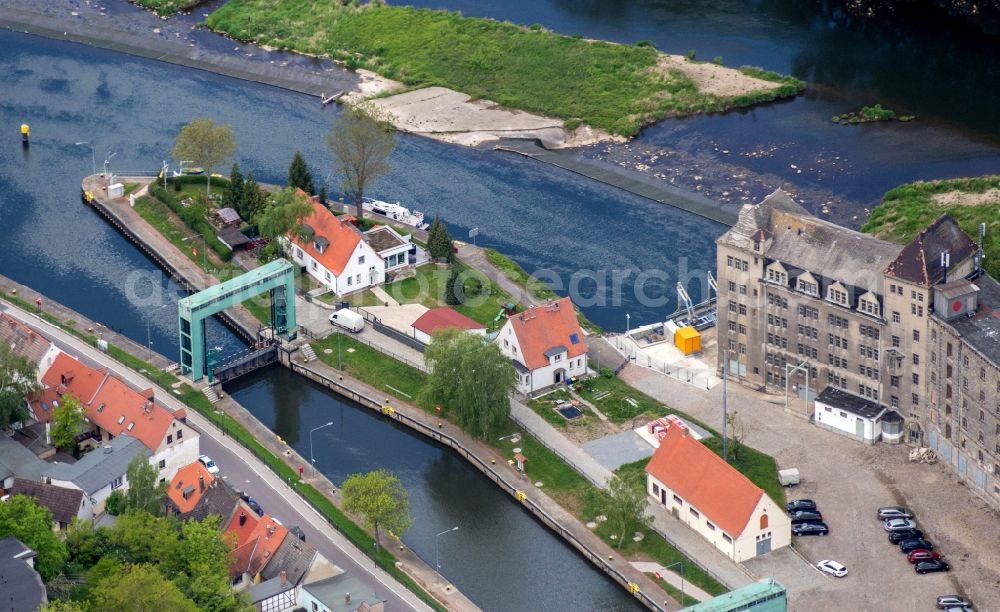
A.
x: 370, y: 366
x: 618, y: 401
x: 545, y: 407
x: 909, y: 208
x: 615, y: 87
x: 427, y: 287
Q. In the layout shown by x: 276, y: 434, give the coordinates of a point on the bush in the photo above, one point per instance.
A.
x: 195, y: 218
x: 115, y: 503
x: 691, y: 55
x: 717, y: 60
x: 645, y: 43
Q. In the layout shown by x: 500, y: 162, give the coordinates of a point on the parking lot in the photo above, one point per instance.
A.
x: 850, y: 481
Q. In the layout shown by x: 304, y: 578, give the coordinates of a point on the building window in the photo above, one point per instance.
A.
x: 894, y: 401
x: 743, y: 309
x: 694, y: 513
x: 116, y: 483
x: 916, y: 359
x: 807, y: 287
x: 916, y: 336
x: 732, y: 287
x: 678, y: 501
x: 895, y: 317
x: 656, y: 489
x: 763, y: 521
x: 894, y: 381
x: 709, y: 524
x: 916, y: 378
x: 727, y: 538
x: 180, y: 434
x: 361, y: 259
x: 869, y: 307
x: 170, y: 439
x: 915, y: 399
x: 163, y: 463
x: 743, y: 289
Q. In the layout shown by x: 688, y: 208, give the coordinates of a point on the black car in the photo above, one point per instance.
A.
x: 902, y: 535
x: 806, y: 516
x: 908, y: 545
x: 933, y: 565
x: 804, y: 529
x: 801, y: 504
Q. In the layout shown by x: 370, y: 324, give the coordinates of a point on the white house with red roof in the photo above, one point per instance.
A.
x: 714, y: 498
x: 339, y: 256
x: 437, y: 319
x: 113, y: 408
x: 546, y: 345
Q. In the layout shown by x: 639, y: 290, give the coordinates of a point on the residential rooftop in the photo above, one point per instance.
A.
x: 838, y: 398
x: 17, y: 568
x: 63, y: 502
x: 101, y: 466
x: 742, y: 598
x: 982, y: 331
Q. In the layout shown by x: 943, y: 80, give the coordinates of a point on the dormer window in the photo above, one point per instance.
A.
x: 837, y: 294
x: 776, y: 274
x: 121, y: 419
x: 320, y: 243
x: 868, y: 304
x: 131, y: 425
x: 808, y: 287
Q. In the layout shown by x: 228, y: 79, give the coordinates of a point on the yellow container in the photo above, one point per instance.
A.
x: 688, y: 340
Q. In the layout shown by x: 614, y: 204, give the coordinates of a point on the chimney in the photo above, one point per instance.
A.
x: 201, y: 482
x: 243, y: 518
x: 283, y: 576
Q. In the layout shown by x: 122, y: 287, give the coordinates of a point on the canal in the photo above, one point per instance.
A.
x: 500, y: 557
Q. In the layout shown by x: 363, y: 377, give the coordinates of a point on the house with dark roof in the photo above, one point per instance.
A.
x: 113, y: 409
x: 443, y: 317
x: 714, y: 499
x: 23, y: 589
x: 64, y: 503
x: 841, y: 412
x: 16, y: 461
x: 341, y: 593
x: 99, y: 472
x: 545, y: 344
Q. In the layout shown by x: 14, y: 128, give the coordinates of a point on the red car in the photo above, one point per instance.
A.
x: 920, y: 554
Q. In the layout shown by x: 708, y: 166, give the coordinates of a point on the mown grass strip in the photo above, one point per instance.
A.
x: 614, y: 87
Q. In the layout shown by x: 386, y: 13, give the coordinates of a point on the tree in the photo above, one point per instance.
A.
x: 452, y: 287
x: 200, y: 566
x: 322, y: 195
x: 439, y: 241
x: 140, y: 588
x: 59, y: 605
x: 361, y: 140
x: 144, y: 493
x: 286, y: 212
x: 471, y: 377
x: 738, y: 429
x: 253, y: 200
x: 66, y: 421
x: 299, y: 175
x: 23, y: 518
x: 625, y: 504
x: 18, y: 380
x: 381, y: 499
x: 233, y: 196
x: 205, y: 144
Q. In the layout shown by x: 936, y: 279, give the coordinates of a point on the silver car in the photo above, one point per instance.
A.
x: 898, y: 524
x: 890, y: 512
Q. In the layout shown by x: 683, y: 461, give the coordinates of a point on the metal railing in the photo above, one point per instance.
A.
x: 697, y: 378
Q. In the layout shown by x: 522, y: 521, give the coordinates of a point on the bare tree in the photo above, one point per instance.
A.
x: 361, y: 140
x: 738, y: 431
x: 206, y: 144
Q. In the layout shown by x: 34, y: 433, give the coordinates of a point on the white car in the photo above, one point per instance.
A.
x: 897, y: 524
x: 888, y: 512
x: 832, y: 567
x: 209, y: 464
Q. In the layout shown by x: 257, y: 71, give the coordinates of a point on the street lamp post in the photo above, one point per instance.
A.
x: 149, y: 339
x: 437, y: 548
x: 680, y: 563
x: 107, y: 161
x: 628, y: 323
x: 312, y: 458
x: 93, y: 160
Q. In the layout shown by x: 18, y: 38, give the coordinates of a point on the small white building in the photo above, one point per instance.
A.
x: 392, y: 247
x: 713, y: 498
x: 437, y: 319
x: 546, y: 345
x: 849, y: 415
x: 333, y: 252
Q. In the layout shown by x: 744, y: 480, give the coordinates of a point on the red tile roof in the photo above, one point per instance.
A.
x: 547, y: 326
x: 443, y: 318
x: 343, y: 237
x: 189, y: 478
x: 110, y: 403
x: 42, y: 404
x: 22, y: 340
x: 718, y: 490
x: 256, y: 540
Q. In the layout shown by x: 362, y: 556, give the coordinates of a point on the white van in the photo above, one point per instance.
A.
x: 348, y: 319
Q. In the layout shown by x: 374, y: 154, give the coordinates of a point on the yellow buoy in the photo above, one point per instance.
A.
x: 25, y: 132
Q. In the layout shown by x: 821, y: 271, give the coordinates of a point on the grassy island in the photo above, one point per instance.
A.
x: 613, y: 87
x: 166, y: 7
x: 870, y: 114
x: 909, y: 208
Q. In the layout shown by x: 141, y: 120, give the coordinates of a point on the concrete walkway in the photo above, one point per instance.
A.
x: 476, y: 257
x: 678, y: 582
x: 384, y: 297
x: 257, y: 479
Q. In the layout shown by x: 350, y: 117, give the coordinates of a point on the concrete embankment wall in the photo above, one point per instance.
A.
x: 242, y: 330
x: 483, y: 466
